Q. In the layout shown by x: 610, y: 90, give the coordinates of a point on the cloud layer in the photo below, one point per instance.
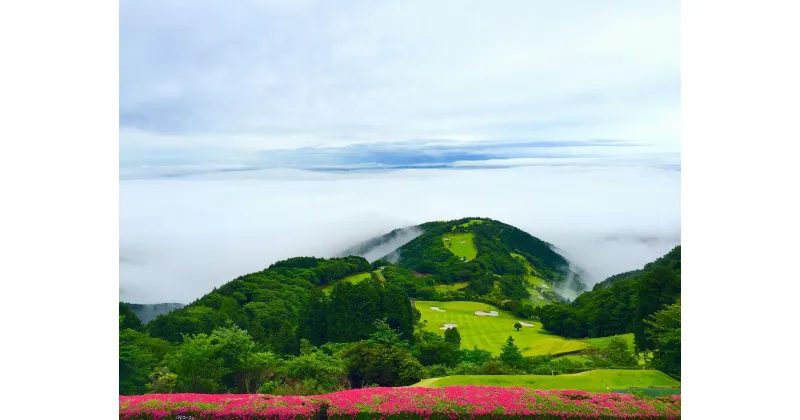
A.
x: 181, y: 237
x: 212, y: 82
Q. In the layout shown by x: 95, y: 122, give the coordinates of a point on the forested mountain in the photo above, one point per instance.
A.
x: 501, y: 250
x: 268, y: 303
x: 311, y: 325
x: 622, y: 305
x: 275, y: 309
x: 615, y: 278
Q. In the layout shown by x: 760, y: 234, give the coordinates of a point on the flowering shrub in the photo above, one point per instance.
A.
x: 216, y: 406
x: 456, y: 402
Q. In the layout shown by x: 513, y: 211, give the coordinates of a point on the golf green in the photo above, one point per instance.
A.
x: 491, y: 332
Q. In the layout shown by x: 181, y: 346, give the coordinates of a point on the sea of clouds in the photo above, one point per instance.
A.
x: 182, y: 236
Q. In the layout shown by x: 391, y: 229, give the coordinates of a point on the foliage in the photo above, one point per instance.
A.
x: 162, y: 381
x: 452, y: 336
x: 139, y: 354
x: 665, y: 331
x: 619, y: 308
x: 433, y: 349
x: 510, y: 353
x: 265, y: 303
x: 349, y: 313
x: 129, y: 318
x: 313, y: 372
x: 385, y: 365
x: 198, y: 364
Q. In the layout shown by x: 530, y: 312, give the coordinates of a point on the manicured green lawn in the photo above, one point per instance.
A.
x: 603, y: 341
x: 593, y: 380
x: 355, y: 278
x: 472, y: 222
x: 533, y: 283
x: 491, y: 332
x: 450, y: 287
x: 460, y: 244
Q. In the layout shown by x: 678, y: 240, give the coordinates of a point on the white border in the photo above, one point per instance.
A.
x: 59, y: 217
x: 59, y: 213
x: 739, y: 91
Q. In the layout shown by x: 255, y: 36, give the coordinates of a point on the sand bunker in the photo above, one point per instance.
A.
x: 491, y: 313
x: 448, y: 326
x: 540, y: 297
x: 544, y: 286
x: 463, y: 242
x: 436, y: 308
x: 525, y: 324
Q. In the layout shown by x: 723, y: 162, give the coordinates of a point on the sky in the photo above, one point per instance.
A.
x: 258, y: 130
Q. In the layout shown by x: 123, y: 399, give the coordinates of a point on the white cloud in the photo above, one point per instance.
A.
x: 181, y: 237
x: 289, y: 74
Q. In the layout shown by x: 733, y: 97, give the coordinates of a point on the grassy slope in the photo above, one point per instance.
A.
x: 466, y: 250
x: 534, y: 282
x: 603, y: 341
x: 450, y: 287
x: 593, y: 380
x: 355, y: 278
x: 491, y: 332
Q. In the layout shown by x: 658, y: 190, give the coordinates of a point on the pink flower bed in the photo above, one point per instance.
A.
x: 457, y: 402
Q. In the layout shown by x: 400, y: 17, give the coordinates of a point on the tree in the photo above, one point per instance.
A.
x: 233, y: 344
x: 510, y: 354
x: 129, y: 320
x: 517, y: 325
x: 313, y: 324
x: 257, y: 369
x: 658, y: 287
x: 619, y: 354
x: 138, y: 355
x: 385, y: 334
x: 432, y: 349
x: 135, y: 363
x: 162, y: 381
x: 379, y: 364
x: 451, y: 335
x: 476, y: 356
x: 314, y: 372
x: 198, y: 364
x: 664, y: 329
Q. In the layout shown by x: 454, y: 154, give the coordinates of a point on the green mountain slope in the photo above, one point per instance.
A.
x: 621, y: 304
x: 477, y: 251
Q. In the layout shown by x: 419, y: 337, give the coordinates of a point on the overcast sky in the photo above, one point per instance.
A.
x: 236, y: 118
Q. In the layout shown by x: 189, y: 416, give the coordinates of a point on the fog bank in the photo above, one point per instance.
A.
x: 180, y: 237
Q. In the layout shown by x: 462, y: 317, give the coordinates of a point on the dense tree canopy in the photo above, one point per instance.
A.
x: 664, y: 331
x: 621, y: 307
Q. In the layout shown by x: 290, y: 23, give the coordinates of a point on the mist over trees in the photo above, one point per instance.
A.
x: 619, y: 306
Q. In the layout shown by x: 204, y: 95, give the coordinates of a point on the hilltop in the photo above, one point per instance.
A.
x: 478, y: 255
